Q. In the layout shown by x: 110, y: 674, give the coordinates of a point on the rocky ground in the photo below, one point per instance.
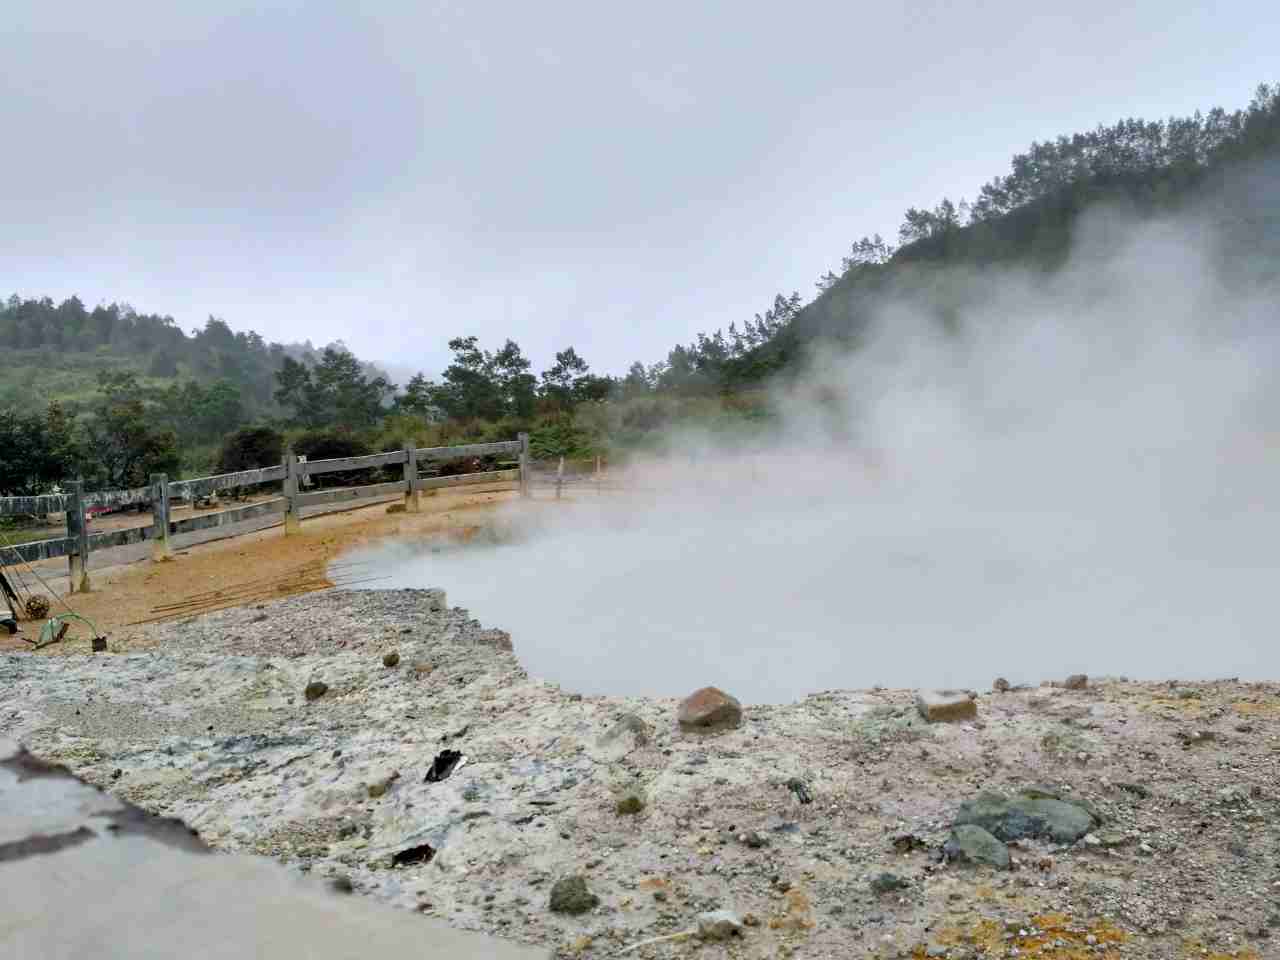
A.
x: 1139, y: 819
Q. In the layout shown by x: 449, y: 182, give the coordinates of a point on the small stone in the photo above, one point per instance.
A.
x: 710, y: 709
x: 1137, y: 789
x: 1108, y: 839
x: 315, y: 690
x: 422, y: 669
x: 946, y: 706
x: 800, y: 789
x: 1077, y: 681
x: 1232, y: 794
x: 628, y: 723
x: 1001, y: 685
x: 935, y: 950
x: 379, y: 787
x: 719, y: 925
x: 1195, y: 738
x: 395, y: 508
x: 570, y: 896
x: 631, y: 802
x: 627, y: 734
x: 391, y: 658
x: 342, y: 884
x: 888, y: 883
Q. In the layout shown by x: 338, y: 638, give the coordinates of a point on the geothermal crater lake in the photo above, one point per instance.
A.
x: 797, y: 601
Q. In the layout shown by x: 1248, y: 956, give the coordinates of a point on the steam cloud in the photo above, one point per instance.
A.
x: 1080, y: 477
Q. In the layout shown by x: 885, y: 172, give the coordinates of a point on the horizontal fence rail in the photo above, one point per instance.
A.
x: 225, y: 518
x: 33, y: 506
x: 344, y: 494
x: 353, y: 463
x: 291, y: 475
x: 466, y: 479
x: 119, y: 538
x: 33, y: 551
x: 203, y: 486
x: 470, y: 450
x: 114, y: 499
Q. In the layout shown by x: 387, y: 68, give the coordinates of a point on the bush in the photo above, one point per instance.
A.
x: 561, y: 438
x: 251, y: 449
x: 335, y: 445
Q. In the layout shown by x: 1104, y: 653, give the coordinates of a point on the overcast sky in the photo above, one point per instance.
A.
x: 612, y: 176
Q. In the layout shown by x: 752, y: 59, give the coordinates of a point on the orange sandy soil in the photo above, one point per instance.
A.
x: 249, y: 568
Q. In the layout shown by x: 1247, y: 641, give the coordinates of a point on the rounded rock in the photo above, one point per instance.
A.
x: 719, y: 925
x: 710, y: 709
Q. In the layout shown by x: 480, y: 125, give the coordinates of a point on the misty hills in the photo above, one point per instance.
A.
x: 1217, y: 169
x: 57, y: 352
x: 1216, y: 172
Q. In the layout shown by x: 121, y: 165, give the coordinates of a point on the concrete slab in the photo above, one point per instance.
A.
x: 86, y: 875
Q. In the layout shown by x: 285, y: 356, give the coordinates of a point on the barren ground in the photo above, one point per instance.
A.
x: 125, y: 593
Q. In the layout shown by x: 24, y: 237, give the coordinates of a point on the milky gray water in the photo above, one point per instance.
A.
x: 785, y: 603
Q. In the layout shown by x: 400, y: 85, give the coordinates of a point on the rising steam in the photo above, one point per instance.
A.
x: 1079, y: 475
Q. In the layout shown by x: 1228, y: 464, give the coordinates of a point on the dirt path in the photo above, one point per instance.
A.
x: 126, y: 593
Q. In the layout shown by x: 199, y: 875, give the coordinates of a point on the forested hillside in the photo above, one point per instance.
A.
x: 57, y: 351
x: 133, y: 393
x: 1221, y: 167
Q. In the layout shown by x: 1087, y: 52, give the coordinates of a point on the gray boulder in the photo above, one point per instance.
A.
x: 971, y: 844
x: 1029, y: 814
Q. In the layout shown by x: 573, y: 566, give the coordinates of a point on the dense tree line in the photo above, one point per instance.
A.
x: 1028, y: 215
x: 199, y: 389
x: 157, y: 347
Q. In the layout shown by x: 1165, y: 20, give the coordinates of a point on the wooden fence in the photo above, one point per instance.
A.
x: 292, y: 475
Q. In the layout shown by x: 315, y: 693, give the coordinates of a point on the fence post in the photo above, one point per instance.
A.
x: 559, y: 477
x: 291, y: 520
x: 160, y: 549
x: 412, y: 499
x: 78, y: 558
x: 524, y: 465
